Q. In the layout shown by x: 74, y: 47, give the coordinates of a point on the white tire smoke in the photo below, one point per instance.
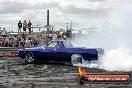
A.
x: 116, y: 33
x: 117, y: 60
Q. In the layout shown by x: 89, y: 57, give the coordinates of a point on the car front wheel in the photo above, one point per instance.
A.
x: 29, y: 58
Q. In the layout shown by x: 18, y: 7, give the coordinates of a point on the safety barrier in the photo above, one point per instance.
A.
x: 9, y: 51
x: 8, y: 54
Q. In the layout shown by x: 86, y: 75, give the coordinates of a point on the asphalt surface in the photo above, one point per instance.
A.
x: 15, y: 73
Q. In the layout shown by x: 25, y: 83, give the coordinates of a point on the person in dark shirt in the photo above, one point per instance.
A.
x: 46, y: 40
x: 19, y: 26
x: 34, y: 42
x: 29, y: 26
x: 23, y: 36
x: 22, y: 42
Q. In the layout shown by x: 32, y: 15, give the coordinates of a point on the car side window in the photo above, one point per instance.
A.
x: 68, y: 44
x: 53, y: 45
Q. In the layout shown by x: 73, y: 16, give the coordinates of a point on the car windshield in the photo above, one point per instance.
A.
x: 68, y: 44
x: 53, y: 45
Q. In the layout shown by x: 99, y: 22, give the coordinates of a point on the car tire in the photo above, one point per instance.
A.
x: 29, y: 58
x: 76, y: 59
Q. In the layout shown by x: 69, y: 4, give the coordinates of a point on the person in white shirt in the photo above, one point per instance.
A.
x: 4, y: 33
x: 24, y: 26
x: 27, y: 43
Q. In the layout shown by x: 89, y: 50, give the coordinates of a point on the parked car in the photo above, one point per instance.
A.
x: 58, y: 51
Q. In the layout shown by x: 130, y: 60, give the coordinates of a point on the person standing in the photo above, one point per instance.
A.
x: 24, y: 26
x: 19, y: 27
x: 29, y: 26
x: 4, y: 33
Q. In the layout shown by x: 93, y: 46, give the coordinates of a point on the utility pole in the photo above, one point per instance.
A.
x: 71, y: 25
x: 67, y: 25
x: 48, y: 22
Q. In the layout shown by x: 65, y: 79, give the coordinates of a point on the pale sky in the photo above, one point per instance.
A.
x: 83, y: 13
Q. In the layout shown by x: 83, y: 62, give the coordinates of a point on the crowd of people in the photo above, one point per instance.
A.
x: 26, y: 40
x: 18, y: 42
x: 24, y: 25
x: 56, y: 36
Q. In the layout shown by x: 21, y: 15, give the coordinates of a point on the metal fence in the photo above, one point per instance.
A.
x: 9, y: 49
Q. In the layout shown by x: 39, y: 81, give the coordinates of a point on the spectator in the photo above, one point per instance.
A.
x: 29, y: 27
x: 64, y: 36
x: 4, y: 33
x: 27, y: 43
x: 23, y: 36
x: 6, y: 42
x: 34, y: 41
x: 55, y: 37
x: 46, y: 40
x: 50, y: 35
x: 11, y: 43
x: 1, y: 41
x: 24, y: 26
x: 19, y: 26
x: 58, y: 35
x: 22, y: 42
x: 16, y: 42
x: 19, y: 41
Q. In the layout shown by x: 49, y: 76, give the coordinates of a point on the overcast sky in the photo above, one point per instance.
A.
x: 83, y: 13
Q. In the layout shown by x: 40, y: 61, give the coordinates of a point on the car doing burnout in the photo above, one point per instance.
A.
x: 59, y: 51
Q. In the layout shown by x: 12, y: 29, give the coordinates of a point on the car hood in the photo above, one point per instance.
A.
x: 32, y: 49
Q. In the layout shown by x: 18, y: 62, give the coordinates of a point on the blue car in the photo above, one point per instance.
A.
x: 59, y: 51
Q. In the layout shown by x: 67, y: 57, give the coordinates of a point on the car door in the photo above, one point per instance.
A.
x: 50, y: 51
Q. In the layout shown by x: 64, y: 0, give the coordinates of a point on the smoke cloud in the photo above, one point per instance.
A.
x: 114, y: 37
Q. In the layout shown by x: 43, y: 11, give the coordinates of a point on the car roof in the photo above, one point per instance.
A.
x: 58, y: 40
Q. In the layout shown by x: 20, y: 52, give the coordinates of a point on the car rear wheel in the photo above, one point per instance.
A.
x: 29, y: 58
x: 76, y: 59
